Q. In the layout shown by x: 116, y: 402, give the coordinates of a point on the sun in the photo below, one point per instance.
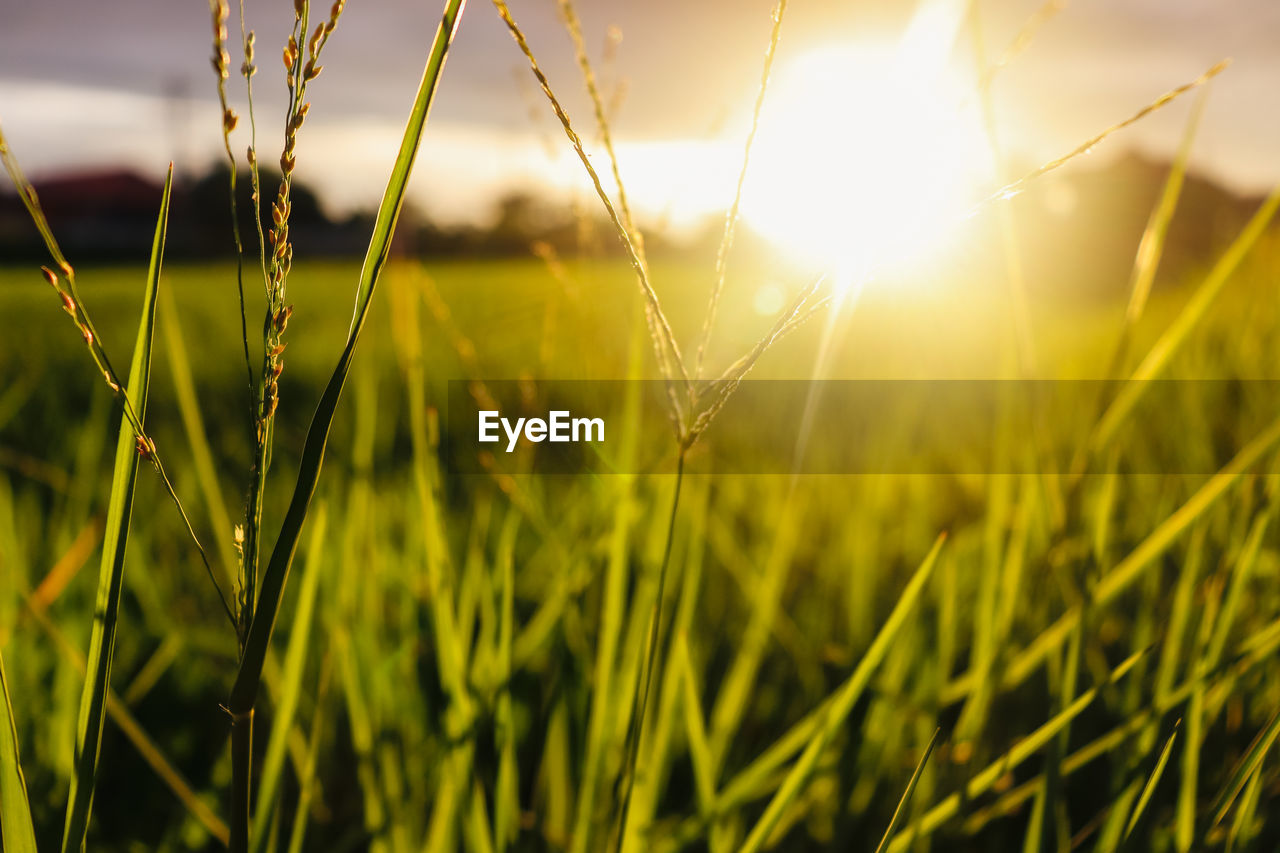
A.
x: 867, y: 158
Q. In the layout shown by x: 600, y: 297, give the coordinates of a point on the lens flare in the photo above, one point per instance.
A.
x: 868, y: 157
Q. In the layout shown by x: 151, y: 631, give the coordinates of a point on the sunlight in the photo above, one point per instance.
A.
x: 868, y: 156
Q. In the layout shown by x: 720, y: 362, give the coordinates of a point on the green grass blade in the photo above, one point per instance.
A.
x: 1128, y: 570
x: 1159, y: 356
x: 16, y: 832
x: 901, y: 810
x: 133, y: 731
x: 1248, y: 766
x: 843, y: 705
x: 1152, y: 781
x: 1151, y: 249
x: 193, y: 424
x: 290, y: 687
x: 695, y: 729
x: 987, y: 778
x: 111, y: 574
x: 1242, y: 825
x: 309, y: 777
x: 245, y: 689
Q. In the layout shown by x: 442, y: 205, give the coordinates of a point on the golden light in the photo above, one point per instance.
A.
x: 867, y: 157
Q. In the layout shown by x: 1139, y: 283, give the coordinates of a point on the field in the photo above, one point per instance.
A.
x: 458, y: 654
x: 933, y: 507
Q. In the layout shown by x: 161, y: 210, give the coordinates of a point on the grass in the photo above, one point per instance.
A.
x: 718, y: 555
x: 672, y: 661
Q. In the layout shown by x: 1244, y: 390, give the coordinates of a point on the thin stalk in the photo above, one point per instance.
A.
x: 640, y: 699
x: 75, y: 307
x: 221, y: 66
x: 731, y: 218
x: 1016, y: 187
x: 241, y: 780
x: 664, y: 341
x: 244, y: 691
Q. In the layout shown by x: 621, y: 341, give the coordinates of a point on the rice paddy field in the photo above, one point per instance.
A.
x: 258, y: 594
x: 458, y: 654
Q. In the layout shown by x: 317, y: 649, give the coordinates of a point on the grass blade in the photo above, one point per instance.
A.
x: 1152, y: 781
x: 290, y: 686
x: 1120, y: 578
x: 132, y: 730
x: 249, y: 675
x: 16, y: 832
x: 111, y: 574
x: 1028, y: 746
x: 1159, y: 356
x: 1248, y: 766
x: 906, y: 795
x: 844, y: 702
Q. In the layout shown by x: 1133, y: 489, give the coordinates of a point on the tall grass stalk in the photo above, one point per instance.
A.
x: 129, y: 450
x: 731, y: 217
x: 118, y: 711
x: 1014, y: 188
x: 220, y: 12
x: 664, y: 342
x: 63, y: 282
x: 270, y: 594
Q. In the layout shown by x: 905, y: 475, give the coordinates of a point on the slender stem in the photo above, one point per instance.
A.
x: 241, y: 780
x: 640, y: 700
x: 731, y: 217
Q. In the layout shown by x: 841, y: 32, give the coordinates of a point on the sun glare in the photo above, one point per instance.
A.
x: 867, y: 157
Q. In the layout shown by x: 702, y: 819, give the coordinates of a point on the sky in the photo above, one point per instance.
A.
x: 87, y: 86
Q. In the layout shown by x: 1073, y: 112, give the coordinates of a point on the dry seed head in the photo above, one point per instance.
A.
x: 88, y: 335
x: 68, y: 304
x: 312, y: 71
x: 67, y: 271
x: 299, y: 6
x: 221, y: 10
x: 50, y: 277
x: 229, y: 120
x: 313, y: 46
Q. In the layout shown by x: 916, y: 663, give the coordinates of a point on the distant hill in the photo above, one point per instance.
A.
x: 1080, y: 231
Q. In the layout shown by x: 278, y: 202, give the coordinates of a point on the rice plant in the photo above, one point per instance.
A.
x: 491, y: 660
